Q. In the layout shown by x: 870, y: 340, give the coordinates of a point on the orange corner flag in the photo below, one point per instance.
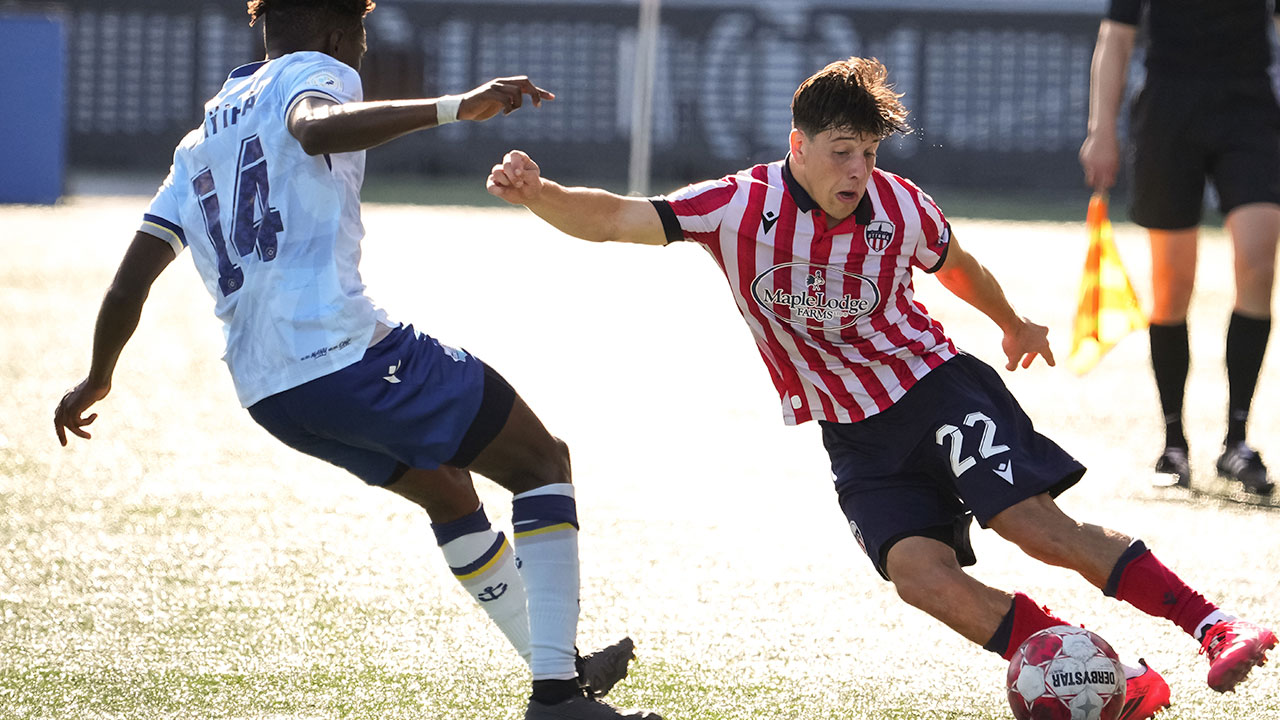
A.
x: 1108, y: 308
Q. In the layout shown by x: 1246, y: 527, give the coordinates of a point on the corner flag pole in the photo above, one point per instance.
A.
x: 642, y: 97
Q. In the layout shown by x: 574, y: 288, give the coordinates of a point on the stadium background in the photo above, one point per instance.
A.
x: 998, y: 88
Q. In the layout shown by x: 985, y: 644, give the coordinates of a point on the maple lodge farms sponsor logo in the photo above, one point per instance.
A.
x: 858, y: 295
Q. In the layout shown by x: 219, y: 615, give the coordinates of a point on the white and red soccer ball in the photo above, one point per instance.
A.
x: 1065, y: 673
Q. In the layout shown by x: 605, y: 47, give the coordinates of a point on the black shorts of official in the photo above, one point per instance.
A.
x: 957, y: 446
x: 1189, y: 129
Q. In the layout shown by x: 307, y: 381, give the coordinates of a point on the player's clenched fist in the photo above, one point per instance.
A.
x: 517, y: 179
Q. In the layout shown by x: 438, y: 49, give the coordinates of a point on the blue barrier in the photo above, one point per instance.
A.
x: 33, y: 114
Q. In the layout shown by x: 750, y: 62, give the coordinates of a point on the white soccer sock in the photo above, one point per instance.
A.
x: 485, y: 564
x: 1132, y: 671
x: 545, y: 523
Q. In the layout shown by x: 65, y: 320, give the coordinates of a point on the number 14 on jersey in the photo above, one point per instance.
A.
x: 254, y: 225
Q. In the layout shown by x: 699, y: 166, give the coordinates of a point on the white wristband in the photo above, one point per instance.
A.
x: 447, y: 109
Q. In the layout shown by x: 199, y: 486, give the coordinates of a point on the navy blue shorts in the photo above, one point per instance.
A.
x: 955, y: 447
x: 409, y: 403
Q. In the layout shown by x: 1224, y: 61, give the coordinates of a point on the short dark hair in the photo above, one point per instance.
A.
x: 849, y: 94
x: 351, y: 8
x: 294, y: 23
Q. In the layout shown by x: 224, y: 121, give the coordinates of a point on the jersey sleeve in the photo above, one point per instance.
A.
x: 1127, y: 12
x: 695, y: 212
x: 161, y: 218
x: 321, y: 77
x: 935, y: 231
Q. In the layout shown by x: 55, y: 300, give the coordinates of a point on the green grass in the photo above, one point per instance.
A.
x: 182, y: 564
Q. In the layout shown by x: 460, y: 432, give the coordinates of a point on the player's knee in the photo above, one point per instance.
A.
x: 548, y: 466
x: 921, y: 583
x: 910, y: 591
x: 558, y: 463
x: 1256, y: 280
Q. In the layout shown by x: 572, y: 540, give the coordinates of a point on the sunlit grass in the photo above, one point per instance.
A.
x: 182, y: 564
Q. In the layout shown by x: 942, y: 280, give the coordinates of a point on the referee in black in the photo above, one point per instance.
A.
x: 1207, y: 110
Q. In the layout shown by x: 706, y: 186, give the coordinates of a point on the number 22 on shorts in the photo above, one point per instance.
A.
x: 986, y: 448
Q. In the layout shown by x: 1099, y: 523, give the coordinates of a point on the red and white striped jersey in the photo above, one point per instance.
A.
x: 832, y: 310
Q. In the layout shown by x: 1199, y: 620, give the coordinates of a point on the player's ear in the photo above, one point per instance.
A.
x: 797, y: 142
x: 333, y: 47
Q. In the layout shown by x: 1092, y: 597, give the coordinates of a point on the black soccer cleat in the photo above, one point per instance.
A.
x: 1242, y: 464
x: 1173, y: 468
x: 599, y: 671
x: 579, y: 707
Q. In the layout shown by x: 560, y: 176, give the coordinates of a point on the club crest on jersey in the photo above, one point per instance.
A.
x: 879, y: 234
x: 830, y: 296
x: 326, y: 81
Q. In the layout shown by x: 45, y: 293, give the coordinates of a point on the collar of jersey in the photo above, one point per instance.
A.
x: 805, y: 202
x: 246, y: 70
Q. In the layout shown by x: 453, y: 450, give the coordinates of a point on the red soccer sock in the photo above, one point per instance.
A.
x: 1024, y: 619
x: 1145, y: 583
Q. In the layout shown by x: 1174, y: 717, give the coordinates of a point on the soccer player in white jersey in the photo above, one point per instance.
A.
x: 265, y: 193
x: 819, y: 250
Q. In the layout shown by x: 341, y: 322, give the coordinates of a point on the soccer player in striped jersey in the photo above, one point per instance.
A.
x: 819, y: 250
x: 266, y: 194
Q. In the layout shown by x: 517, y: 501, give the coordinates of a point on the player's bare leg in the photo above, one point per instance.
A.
x: 524, y: 456
x: 927, y: 576
x: 1254, y: 229
x: 1125, y: 569
x: 1173, y: 273
x: 1039, y: 527
x: 446, y: 493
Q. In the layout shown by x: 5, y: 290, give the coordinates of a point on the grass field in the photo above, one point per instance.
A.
x: 182, y: 564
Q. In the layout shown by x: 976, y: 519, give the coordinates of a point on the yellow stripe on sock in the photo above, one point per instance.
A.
x: 489, y: 565
x: 547, y: 529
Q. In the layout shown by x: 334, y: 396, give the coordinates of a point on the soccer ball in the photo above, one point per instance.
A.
x: 1065, y: 673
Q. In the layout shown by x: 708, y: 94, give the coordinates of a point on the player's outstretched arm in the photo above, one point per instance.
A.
x: 323, y: 126
x: 143, y: 262
x: 972, y: 282
x: 588, y: 213
x: 1100, y: 153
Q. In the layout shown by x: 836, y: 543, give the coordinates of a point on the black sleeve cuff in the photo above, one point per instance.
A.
x: 943, y: 259
x: 1127, y: 12
x: 670, y: 224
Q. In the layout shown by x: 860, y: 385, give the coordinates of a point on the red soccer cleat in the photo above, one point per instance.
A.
x: 1234, y: 647
x: 1144, y: 695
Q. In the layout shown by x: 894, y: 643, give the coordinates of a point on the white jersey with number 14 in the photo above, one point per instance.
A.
x: 275, y: 233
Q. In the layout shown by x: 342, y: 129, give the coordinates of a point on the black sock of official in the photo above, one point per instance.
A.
x: 550, y: 692
x: 1246, y: 344
x: 1170, y: 361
